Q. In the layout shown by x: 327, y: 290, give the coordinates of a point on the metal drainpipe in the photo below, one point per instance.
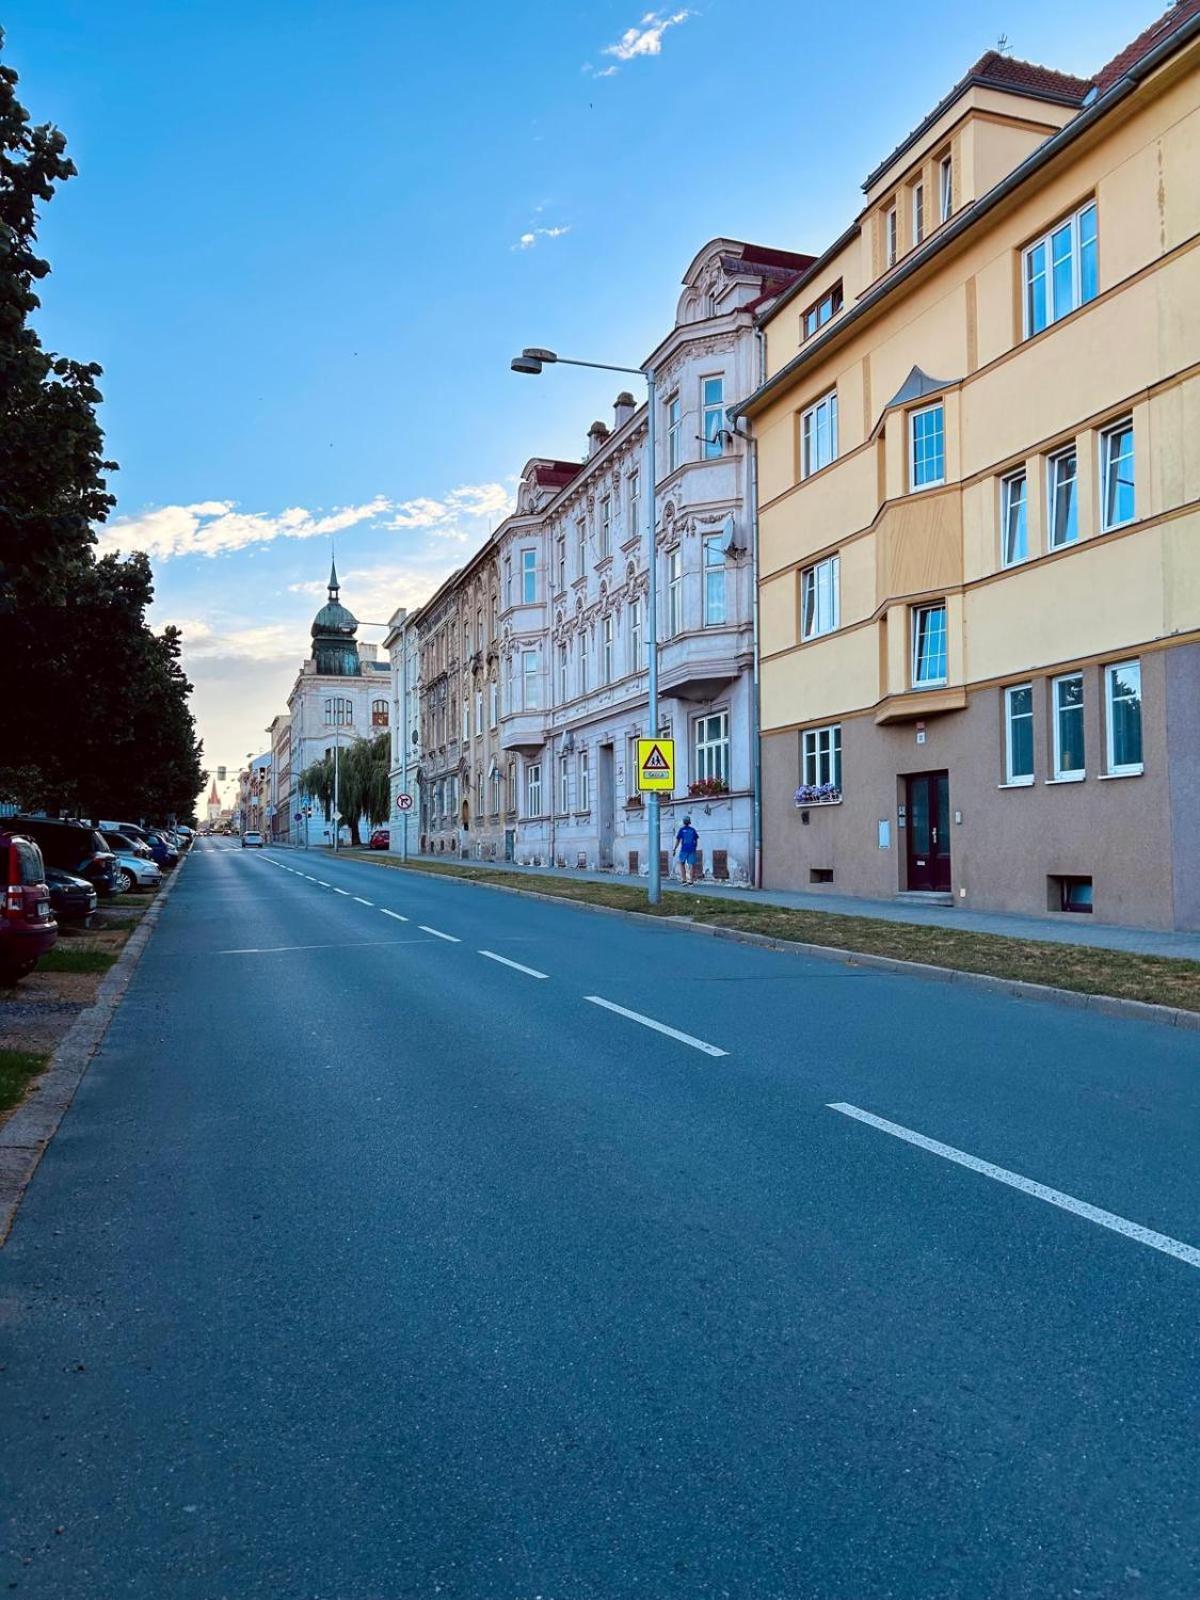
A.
x: 756, y: 708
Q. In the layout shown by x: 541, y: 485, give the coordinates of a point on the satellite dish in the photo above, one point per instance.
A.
x: 729, y: 544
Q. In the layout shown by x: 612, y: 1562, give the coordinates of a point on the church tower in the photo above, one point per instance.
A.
x: 335, y: 649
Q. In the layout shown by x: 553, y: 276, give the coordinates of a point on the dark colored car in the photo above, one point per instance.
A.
x: 27, y: 926
x: 163, y: 851
x: 381, y: 839
x: 72, y: 899
x: 75, y: 847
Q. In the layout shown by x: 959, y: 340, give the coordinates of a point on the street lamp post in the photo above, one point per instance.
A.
x: 532, y: 361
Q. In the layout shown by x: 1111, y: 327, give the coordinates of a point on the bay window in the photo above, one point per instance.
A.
x: 819, y: 601
x: 1059, y: 270
x: 819, y: 435
x: 929, y: 664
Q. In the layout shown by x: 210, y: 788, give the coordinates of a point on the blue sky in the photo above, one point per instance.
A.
x: 307, y: 237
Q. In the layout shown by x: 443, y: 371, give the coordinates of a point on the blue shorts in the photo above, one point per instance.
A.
x: 687, y: 858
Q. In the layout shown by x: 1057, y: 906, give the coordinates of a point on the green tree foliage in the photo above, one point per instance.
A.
x: 96, y: 716
x: 363, y: 786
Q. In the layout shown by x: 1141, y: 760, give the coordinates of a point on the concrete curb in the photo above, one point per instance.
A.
x: 1103, y: 1004
x: 24, y: 1137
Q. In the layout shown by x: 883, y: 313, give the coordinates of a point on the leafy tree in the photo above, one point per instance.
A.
x: 363, y: 786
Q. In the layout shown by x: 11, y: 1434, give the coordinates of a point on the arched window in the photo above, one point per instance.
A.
x: 379, y: 713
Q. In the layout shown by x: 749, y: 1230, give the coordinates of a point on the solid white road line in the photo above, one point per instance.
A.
x: 449, y: 937
x: 515, y: 965
x: 346, y: 944
x: 1054, y: 1197
x: 395, y: 914
x: 361, y: 901
x: 659, y: 1027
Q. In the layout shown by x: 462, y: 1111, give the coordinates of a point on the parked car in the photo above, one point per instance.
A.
x: 122, y: 843
x: 131, y: 830
x: 381, y: 839
x: 72, y: 899
x: 27, y: 925
x: 75, y: 847
x: 250, y: 841
x: 163, y: 850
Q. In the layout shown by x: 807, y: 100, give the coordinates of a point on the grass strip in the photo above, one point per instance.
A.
x: 60, y: 960
x: 17, y: 1067
x: 1085, y: 969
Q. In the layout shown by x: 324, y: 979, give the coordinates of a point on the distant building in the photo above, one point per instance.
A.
x: 279, y: 818
x: 213, y: 809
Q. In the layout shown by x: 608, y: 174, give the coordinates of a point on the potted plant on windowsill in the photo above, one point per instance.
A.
x: 707, y: 788
x: 634, y: 803
x: 818, y: 794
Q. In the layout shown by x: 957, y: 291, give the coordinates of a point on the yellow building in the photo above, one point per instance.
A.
x: 979, y: 490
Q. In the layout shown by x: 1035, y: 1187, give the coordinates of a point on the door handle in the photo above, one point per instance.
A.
x: 934, y: 835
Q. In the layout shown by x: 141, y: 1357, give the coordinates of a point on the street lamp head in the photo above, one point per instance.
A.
x: 525, y: 364
x: 536, y: 353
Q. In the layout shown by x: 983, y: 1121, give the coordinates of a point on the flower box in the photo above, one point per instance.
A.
x: 818, y: 794
x: 707, y: 788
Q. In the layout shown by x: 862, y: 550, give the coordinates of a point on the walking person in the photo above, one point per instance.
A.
x: 686, y: 841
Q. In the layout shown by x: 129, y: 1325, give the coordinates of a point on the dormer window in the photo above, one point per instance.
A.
x: 945, y: 188
x: 891, y: 238
x: 824, y: 311
x: 918, y: 213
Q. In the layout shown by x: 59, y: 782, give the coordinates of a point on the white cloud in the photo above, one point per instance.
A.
x: 528, y: 240
x: 486, y: 501
x: 271, y: 641
x: 215, y: 527
x: 375, y: 592
x: 643, y: 40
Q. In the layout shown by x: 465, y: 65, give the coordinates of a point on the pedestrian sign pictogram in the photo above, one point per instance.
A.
x: 656, y: 764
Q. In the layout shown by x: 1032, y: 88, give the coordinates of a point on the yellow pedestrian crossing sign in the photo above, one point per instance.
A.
x: 656, y: 764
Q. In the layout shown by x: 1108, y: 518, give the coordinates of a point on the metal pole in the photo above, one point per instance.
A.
x: 404, y: 740
x: 336, y: 823
x: 652, y: 818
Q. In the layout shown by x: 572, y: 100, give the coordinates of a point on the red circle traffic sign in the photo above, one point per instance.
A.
x: 404, y: 802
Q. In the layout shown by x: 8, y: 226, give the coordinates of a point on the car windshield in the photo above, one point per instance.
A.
x: 29, y: 864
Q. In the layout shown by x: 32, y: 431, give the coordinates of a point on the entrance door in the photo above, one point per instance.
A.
x: 929, y: 831
x: 606, y: 801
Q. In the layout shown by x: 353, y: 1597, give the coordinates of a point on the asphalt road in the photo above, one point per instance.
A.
x: 381, y: 1257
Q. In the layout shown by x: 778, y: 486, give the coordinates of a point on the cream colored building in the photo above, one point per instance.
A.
x: 979, y: 488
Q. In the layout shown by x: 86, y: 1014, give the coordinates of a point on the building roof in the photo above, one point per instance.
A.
x: 556, y: 474
x: 1133, y: 52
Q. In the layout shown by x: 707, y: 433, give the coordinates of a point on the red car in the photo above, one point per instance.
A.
x: 27, y: 926
x: 380, y: 840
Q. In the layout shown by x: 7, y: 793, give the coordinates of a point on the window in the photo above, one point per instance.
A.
x: 528, y: 576
x: 1068, y: 726
x: 563, y: 694
x: 674, y: 592
x: 512, y: 785
x: 495, y: 634
x: 711, y: 747
x: 1018, y: 734
x: 712, y: 398
x: 564, y: 783
x: 585, y: 782
x: 339, y: 713
x: 533, y: 789
x: 606, y: 650
x: 508, y: 589
x: 819, y: 598
x: 635, y: 635
x: 945, y: 188
x: 1061, y: 489
x: 674, y: 420
x: 927, y: 447
x: 466, y: 640
x: 478, y: 712
x: 1116, y: 475
x: 466, y: 719
x: 529, y: 680
x: 492, y: 706
x: 1014, y: 527
x: 635, y: 504
x: 509, y: 699
x: 821, y: 757
x: 818, y: 435
x: 1123, y: 714
x: 714, y: 579
x: 918, y: 212
x: 379, y: 713
x: 1059, y: 270
x: 605, y: 525
x: 581, y: 545
x: 824, y: 311
x: 583, y: 661
x: 890, y: 236
x: 929, y: 645
x: 560, y: 562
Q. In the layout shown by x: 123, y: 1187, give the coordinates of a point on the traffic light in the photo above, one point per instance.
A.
x: 220, y: 774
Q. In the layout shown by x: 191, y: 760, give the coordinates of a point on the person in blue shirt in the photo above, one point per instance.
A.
x: 686, y: 841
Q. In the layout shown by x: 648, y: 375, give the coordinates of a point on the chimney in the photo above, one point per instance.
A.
x: 597, y: 434
x: 622, y: 409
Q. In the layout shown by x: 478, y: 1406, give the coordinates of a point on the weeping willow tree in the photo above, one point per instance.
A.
x: 363, y: 789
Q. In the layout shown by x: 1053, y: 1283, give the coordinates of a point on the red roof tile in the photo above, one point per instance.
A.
x: 1145, y: 42
x: 1027, y: 77
x: 555, y: 474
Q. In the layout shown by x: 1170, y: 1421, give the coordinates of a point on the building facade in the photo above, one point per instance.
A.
x: 979, y: 469
x: 402, y: 643
x: 281, y: 808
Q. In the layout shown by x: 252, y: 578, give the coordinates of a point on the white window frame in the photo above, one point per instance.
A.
x: 478, y: 712
x: 1072, y: 774
x: 583, y: 797
x: 1127, y: 769
x: 811, y: 459
x: 582, y: 653
x: 674, y: 591
x: 674, y: 425
x: 530, y: 694
x: 1107, y: 462
x: 606, y: 649
x: 564, y: 687
x: 1044, y: 242
x: 605, y: 526
x: 821, y: 750
x: 636, y: 643
x: 581, y: 545
x: 915, y: 614
x: 712, y: 411
x: 529, y: 577
x: 1018, y: 780
x: 564, y: 784
x: 533, y: 789
x: 925, y: 411
x: 946, y: 187
x: 710, y: 756
x: 508, y: 587
x: 1008, y: 504
x: 821, y: 581
x: 466, y: 720
x: 714, y: 578
x: 1053, y: 539
x: 635, y: 503
x: 918, y: 213
x: 891, y: 236
x: 560, y: 561
x: 493, y: 699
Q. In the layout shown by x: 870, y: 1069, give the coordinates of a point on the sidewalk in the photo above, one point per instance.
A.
x: 1065, y: 929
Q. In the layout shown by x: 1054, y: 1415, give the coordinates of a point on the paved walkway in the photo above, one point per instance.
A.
x: 1065, y: 929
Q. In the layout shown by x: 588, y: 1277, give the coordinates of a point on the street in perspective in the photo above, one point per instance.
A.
x: 600, y: 1011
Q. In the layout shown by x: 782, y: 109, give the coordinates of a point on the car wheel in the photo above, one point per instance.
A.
x: 128, y: 881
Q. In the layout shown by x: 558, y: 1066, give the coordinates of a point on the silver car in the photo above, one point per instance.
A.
x: 134, y: 871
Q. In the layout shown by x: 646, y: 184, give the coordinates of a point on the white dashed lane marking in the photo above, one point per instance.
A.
x: 438, y: 934
x: 515, y: 965
x: 395, y: 914
x: 659, y: 1027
